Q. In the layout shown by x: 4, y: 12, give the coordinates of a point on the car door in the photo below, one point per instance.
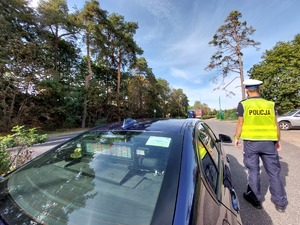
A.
x: 296, y: 119
x: 215, y: 198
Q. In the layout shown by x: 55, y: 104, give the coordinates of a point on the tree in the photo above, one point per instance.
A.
x: 164, y: 92
x: 178, y: 103
x: 280, y: 72
x: 92, y: 19
x: 141, y: 88
x: 204, y: 107
x: 55, y: 19
x: 18, y: 58
x: 122, y: 49
x: 230, y: 39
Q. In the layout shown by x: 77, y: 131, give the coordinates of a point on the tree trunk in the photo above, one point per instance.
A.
x: 11, y: 110
x: 84, y: 113
x: 87, y: 81
x: 118, y: 85
x: 241, y: 74
x: 56, y: 40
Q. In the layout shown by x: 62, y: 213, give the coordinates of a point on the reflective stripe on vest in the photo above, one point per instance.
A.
x: 259, y: 120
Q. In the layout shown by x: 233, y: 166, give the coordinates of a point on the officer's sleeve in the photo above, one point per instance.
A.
x: 276, y: 111
x: 240, y: 110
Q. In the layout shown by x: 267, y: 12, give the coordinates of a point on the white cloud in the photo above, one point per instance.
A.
x: 164, y: 11
x: 189, y: 49
x: 175, y: 72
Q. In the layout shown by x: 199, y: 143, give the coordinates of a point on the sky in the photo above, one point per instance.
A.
x: 174, y: 36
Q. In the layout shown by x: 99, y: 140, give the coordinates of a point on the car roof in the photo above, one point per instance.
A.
x: 160, y: 125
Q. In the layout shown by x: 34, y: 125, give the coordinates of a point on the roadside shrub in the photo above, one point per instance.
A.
x: 4, y: 160
x: 227, y: 114
x: 231, y: 114
x: 14, y: 147
x: 204, y: 117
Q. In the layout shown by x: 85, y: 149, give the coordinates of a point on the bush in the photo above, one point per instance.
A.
x: 230, y: 114
x: 4, y: 160
x: 14, y: 147
x: 227, y: 114
x: 204, y: 117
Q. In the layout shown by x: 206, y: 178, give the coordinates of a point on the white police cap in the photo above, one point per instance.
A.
x: 252, y: 83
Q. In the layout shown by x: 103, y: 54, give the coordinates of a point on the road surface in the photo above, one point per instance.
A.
x: 52, y: 141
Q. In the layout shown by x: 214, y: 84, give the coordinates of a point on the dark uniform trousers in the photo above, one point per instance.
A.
x: 266, y: 151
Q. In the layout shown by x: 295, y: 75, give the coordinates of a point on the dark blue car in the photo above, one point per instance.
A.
x: 155, y: 172
x: 191, y: 114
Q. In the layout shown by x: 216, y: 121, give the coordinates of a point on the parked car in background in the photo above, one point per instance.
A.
x: 289, y: 120
x: 156, y: 172
x: 194, y: 113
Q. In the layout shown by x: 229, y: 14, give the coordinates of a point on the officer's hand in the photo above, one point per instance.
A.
x: 237, y: 142
x: 278, y: 145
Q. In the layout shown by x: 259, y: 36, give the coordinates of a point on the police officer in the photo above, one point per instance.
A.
x: 257, y: 126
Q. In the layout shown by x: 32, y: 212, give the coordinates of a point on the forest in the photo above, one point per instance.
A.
x: 63, y: 70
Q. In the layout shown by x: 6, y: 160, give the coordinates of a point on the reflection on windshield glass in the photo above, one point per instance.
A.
x: 102, y: 178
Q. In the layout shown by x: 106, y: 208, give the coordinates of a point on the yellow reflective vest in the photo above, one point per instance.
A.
x: 202, y: 151
x: 259, y: 120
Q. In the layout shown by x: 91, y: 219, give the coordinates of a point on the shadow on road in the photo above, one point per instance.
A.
x: 249, y: 214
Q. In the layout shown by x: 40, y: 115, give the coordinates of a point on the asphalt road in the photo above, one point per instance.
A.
x: 290, y: 169
x: 52, y: 141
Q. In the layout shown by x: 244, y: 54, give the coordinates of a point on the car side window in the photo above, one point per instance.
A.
x: 210, y: 141
x: 207, y: 155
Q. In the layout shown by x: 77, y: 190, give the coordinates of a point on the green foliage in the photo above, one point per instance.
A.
x: 227, y: 114
x: 25, y: 137
x: 20, y: 139
x: 230, y: 114
x: 18, y: 58
x: 178, y: 104
x: 209, y: 117
x: 204, y: 107
x: 56, y: 23
x: 280, y: 72
x: 4, y: 160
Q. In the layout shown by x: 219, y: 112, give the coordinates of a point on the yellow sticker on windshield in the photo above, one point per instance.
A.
x: 159, y: 141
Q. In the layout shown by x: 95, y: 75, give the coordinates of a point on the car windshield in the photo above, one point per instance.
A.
x: 290, y: 113
x: 98, y: 178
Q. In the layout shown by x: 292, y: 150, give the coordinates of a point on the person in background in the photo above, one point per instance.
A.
x: 258, y: 128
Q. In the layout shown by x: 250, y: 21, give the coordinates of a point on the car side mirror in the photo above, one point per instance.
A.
x: 225, y: 138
